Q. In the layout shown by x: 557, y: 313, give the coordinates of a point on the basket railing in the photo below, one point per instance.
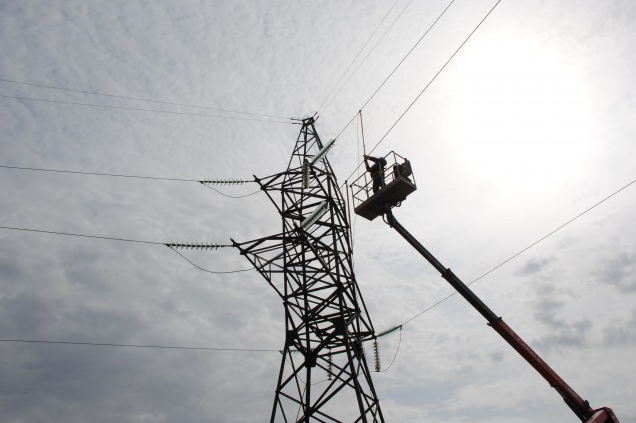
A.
x: 396, y: 166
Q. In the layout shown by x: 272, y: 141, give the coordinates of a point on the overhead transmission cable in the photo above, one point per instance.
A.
x: 378, y: 42
x: 98, y: 174
x: 398, y: 65
x: 162, y: 347
x: 172, y: 246
x: 210, y: 271
x: 231, y: 196
x: 140, y: 99
x: 13, y: 228
x: 522, y: 251
x: 205, y: 182
x: 425, y: 87
x: 137, y: 109
x: 358, y: 55
x: 258, y: 350
x: 394, y: 328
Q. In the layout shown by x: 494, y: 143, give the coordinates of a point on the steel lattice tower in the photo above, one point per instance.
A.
x: 324, y: 376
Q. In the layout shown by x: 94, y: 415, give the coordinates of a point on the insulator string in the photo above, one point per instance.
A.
x: 396, y: 352
x: 197, y: 246
x: 376, y: 355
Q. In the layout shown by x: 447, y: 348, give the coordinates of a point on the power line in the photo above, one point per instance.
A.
x: 269, y: 350
x: 425, y: 87
x: 359, y: 52
x: 436, y: 75
x: 169, y: 245
x: 140, y: 99
x: 143, y: 110
x: 83, y: 235
x: 211, y: 271
x: 401, y: 61
x: 409, y: 52
x: 162, y: 347
x: 523, y: 250
x: 203, y: 182
x: 98, y: 174
x: 231, y: 196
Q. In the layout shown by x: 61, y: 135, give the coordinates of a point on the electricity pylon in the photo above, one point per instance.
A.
x: 324, y: 376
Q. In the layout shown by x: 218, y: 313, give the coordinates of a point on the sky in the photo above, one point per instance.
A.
x: 528, y: 126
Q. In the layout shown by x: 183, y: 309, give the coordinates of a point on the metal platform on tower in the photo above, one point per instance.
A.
x: 388, y: 182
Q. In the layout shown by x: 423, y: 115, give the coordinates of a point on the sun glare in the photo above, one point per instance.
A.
x: 518, y: 110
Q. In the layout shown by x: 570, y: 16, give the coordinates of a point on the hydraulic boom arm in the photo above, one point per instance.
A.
x: 580, y: 406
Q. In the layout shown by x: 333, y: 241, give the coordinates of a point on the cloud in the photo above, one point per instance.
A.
x: 503, y: 400
x: 619, y: 272
x: 534, y: 266
x: 497, y: 357
x: 572, y: 335
x: 281, y: 57
x: 621, y: 333
x: 562, y: 332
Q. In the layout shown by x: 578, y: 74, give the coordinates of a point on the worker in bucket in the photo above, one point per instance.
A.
x: 376, y: 170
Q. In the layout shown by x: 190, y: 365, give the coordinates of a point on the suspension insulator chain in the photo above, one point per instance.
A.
x: 224, y: 181
x: 376, y: 355
x: 306, y: 170
x: 197, y: 246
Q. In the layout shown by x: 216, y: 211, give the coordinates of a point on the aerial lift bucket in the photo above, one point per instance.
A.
x: 392, y: 185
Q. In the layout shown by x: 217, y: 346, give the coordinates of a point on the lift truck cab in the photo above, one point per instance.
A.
x: 396, y: 184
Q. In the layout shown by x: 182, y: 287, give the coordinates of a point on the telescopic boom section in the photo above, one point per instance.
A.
x: 580, y: 406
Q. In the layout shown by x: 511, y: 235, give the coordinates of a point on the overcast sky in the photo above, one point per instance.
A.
x: 529, y: 125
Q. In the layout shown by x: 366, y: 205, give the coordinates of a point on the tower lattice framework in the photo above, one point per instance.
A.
x: 324, y: 376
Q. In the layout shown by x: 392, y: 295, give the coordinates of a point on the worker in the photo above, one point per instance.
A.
x: 376, y: 170
x: 402, y: 170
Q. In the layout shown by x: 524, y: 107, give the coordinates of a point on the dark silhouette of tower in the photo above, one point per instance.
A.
x: 324, y: 376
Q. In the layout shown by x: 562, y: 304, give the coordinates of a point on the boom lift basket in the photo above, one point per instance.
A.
x: 396, y: 184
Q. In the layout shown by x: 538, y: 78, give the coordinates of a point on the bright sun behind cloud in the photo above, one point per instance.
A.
x: 518, y: 110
